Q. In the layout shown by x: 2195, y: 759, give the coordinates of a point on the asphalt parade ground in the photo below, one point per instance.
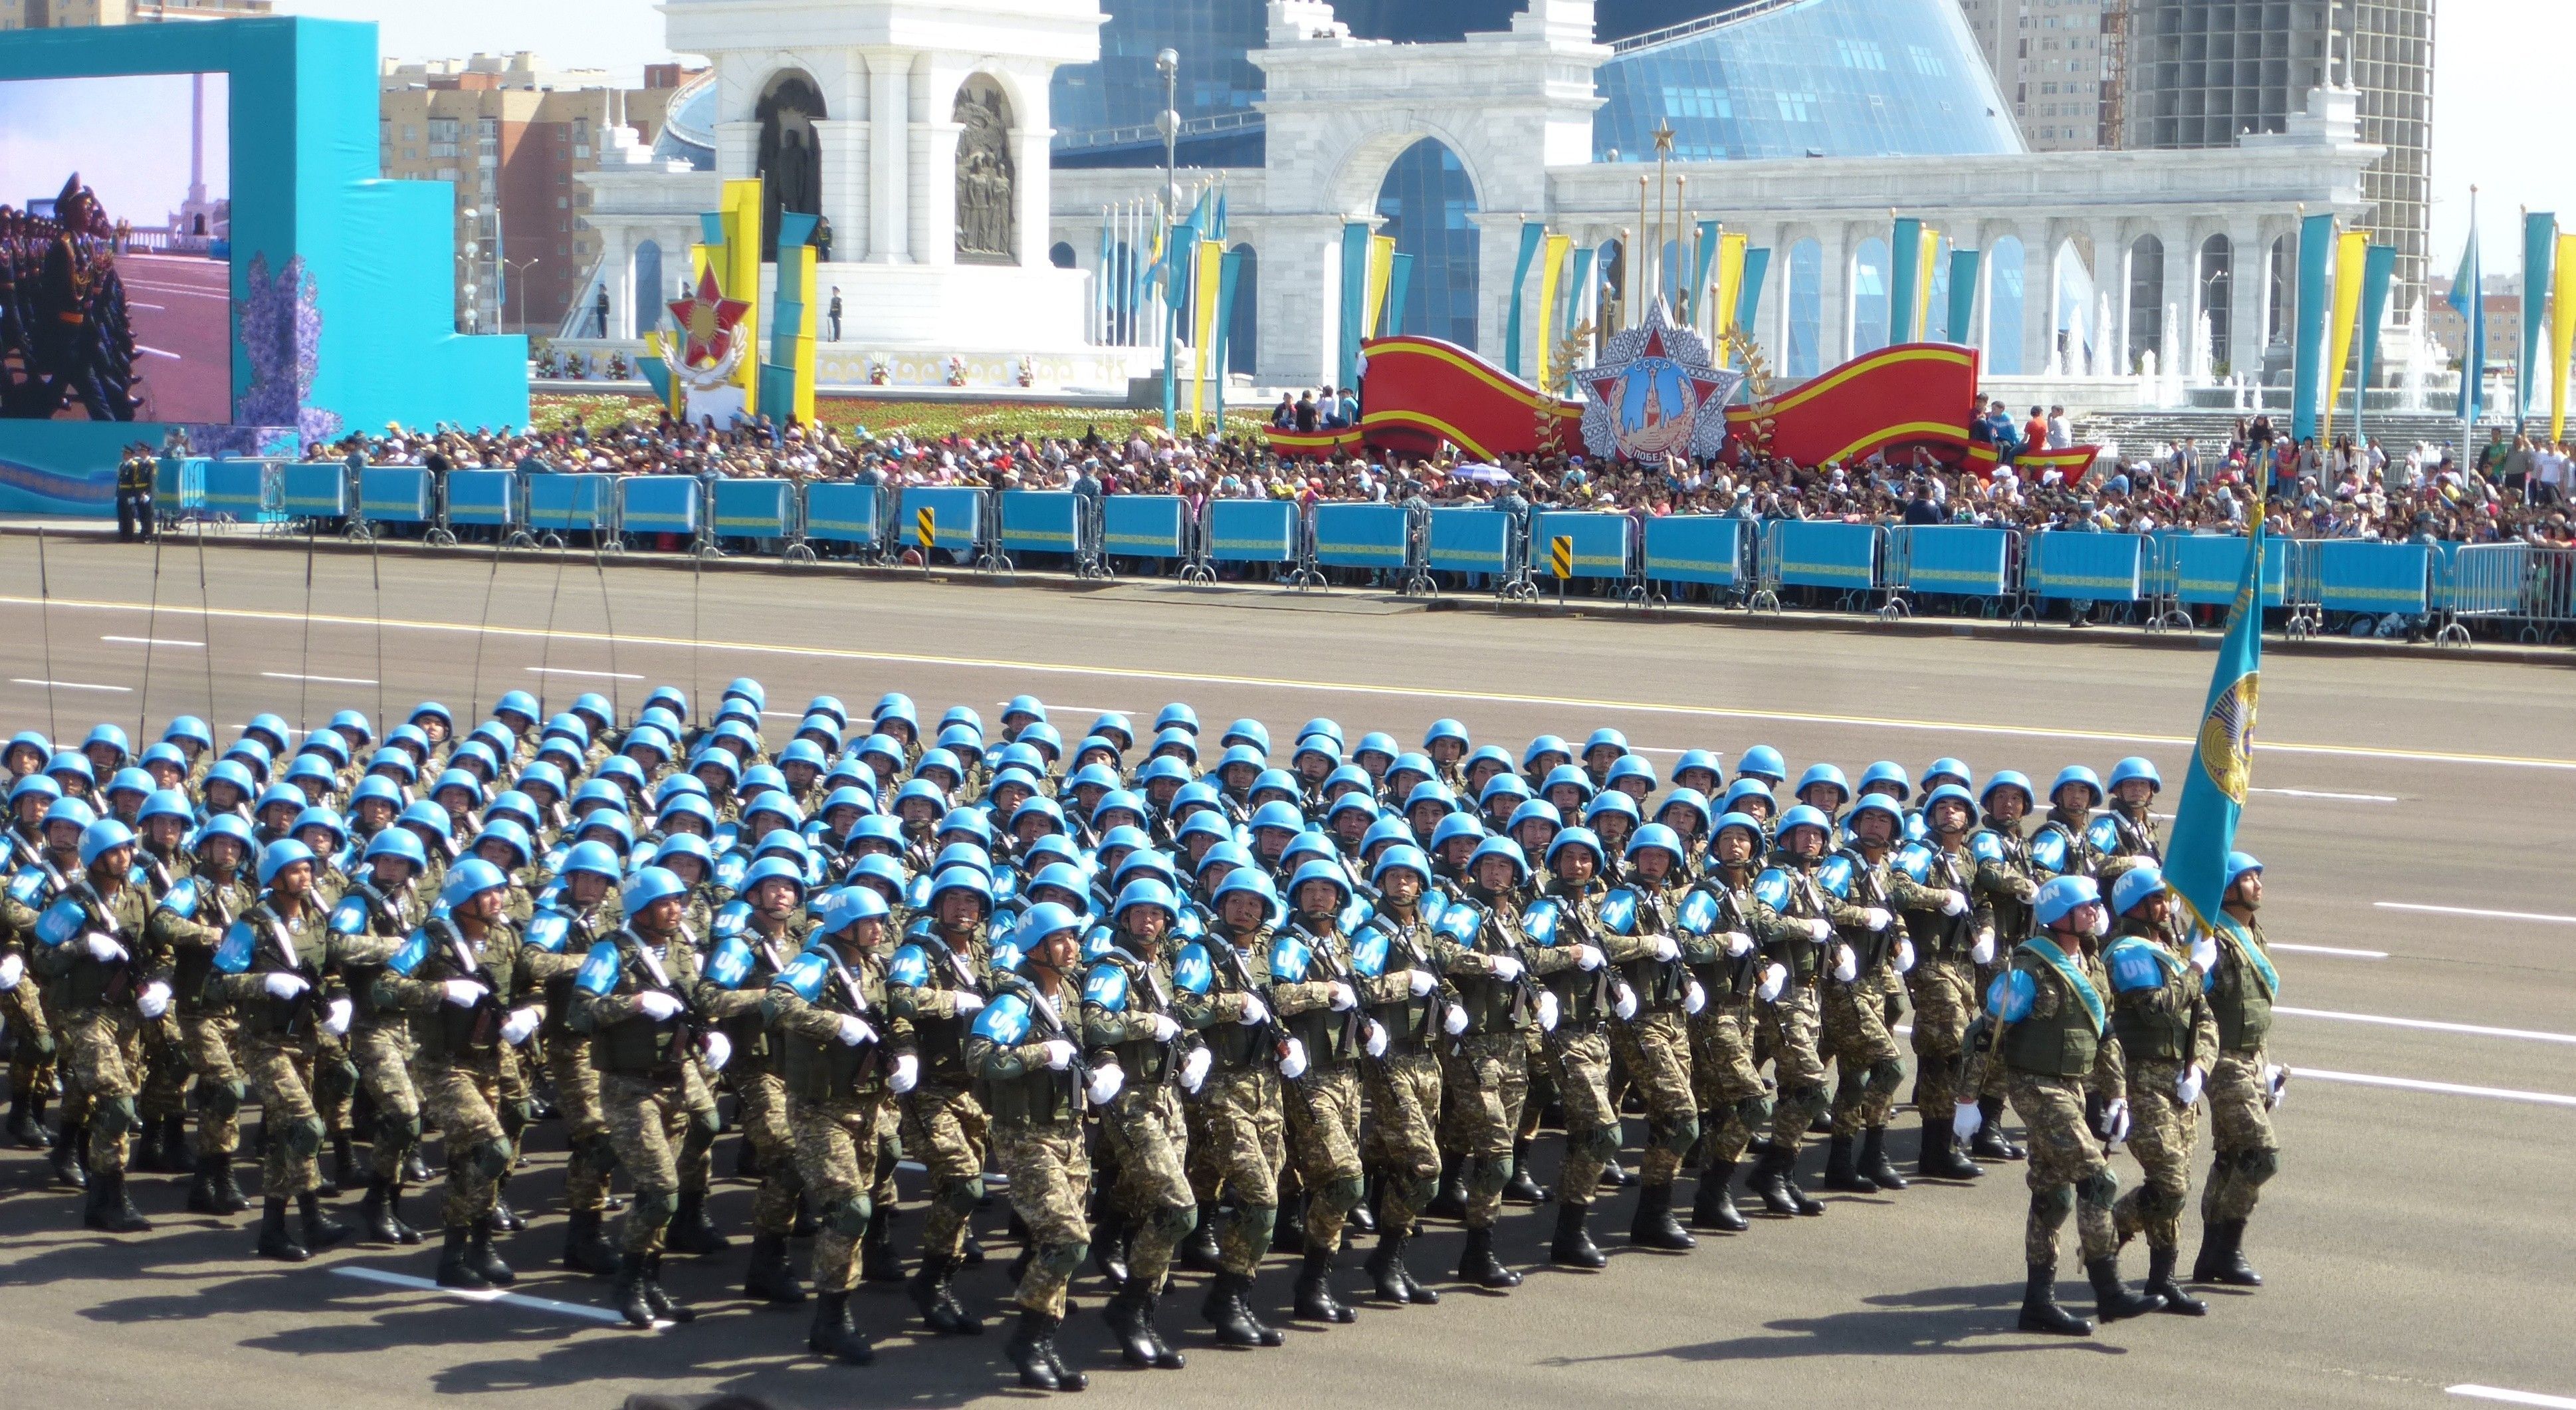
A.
x: 2416, y: 1246
x: 182, y: 311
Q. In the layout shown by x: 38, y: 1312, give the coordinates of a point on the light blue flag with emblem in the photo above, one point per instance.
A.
x: 2222, y: 755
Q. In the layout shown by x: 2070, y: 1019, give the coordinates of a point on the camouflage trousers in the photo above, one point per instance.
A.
x: 1488, y: 1088
x: 207, y: 1042
x: 2246, y: 1152
x: 103, y: 1056
x: 1945, y: 1001
x: 2162, y: 1133
x: 1724, y: 1082
x: 947, y: 1127
x: 657, y: 1125
x: 1655, y: 1048
x: 1869, y: 1069
x: 32, y: 1045
x: 1148, y: 1144
x: 761, y: 1097
x: 836, y: 1157
x: 585, y: 1123
x: 2068, y: 1174
x: 1402, y: 1143
x: 1580, y: 1060
x: 281, y: 1073
x: 1238, y: 1141
x: 1792, y: 1034
x: 165, y: 1070
x: 383, y: 1052
x: 1996, y: 1081
x: 1050, y: 1180
x: 335, y: 1083
x: 464, y: 1102
x: 1324, y: 1147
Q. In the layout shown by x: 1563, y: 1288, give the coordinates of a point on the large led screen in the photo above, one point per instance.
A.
x: 115, y: 225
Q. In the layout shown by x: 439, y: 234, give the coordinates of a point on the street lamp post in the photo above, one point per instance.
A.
x: 1168, y: 61
x: 518, y: 267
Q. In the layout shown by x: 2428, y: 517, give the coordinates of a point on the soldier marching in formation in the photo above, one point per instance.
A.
x: 1192, y: 1019
x: 64, y: 323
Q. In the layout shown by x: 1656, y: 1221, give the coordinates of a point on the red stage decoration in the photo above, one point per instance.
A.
x: 1907, y: 395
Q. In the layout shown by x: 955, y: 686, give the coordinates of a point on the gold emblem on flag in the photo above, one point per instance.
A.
x: 2227, y: 738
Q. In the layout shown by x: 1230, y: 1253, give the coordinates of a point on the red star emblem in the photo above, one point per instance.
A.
x: 708, y: 321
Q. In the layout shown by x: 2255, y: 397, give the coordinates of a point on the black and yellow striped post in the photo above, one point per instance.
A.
x: 925, y: 526
x: 1560, y: 559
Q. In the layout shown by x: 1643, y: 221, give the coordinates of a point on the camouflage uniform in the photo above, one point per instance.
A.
x: 1324, y: 1108
x: 661, y: 1116
x: 1037, y: 1133
x: 370, y: 926
x: 1578, y: 1048
x: 189, y: 924
x: 1725, y: 1083
x: 1943, y: 983
x: 938, y: 989
x: 1121, y: 997
x: 2051, y: 1056
x: 2004, y: 881
x: 2121, y: 839
x: 280, y: 1037
x: 740, y: 972
x: 1793, y: 1023
x: 456, y: 1053
x: 2246, y: 1152
x: 551, y: 953
x: 101, y: 1029
x: 1402, y: 1087
x: 2165, y: 1028
x: 1870, y: 1067
x: 835, y: 1095
x: 1654, y: 1046
x: 1240, y: 1142
x: 1487, y: 1066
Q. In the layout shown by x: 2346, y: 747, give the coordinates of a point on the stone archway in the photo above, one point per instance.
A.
x: 790, y: 158
x: 988, y: 220
x: 1429, y: 206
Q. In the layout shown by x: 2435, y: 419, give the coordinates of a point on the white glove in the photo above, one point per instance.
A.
x: 1625, y: 1006
x: 1983, y: 952
x: 2204, y: 952
x: 1589, y: 958
x: 2187, y: 1086
x: 1905, y: 957
x: 2276, y: 1086
x: 1375, y: 1043
x: 1422, y: 981
x: 1506, y: 969
x: 718, y: 1050
x: 12, y: 969
x: 1546, y: 1011
x: 521, y: 1025
x: 1820, y: 930
x: 1846, y: 964
x: 1344, y: 998
x: 283, y: 985
x: 1165, y: 1028
x: 1738, y: 944
x: 855, y: 1030
x: 1694, y: 998
x: 657, y: 1006
x: 103, y: 949
x: 1965, y: 1119
x: 1059, y: 1054
x: 464, y: 993
x: 1292, y: 1063
x: 336, y: 1022
x: 2101, y: 922
x: 1105, y: 1082
x: 906, y: 1074
x: 1454, y: 1021
x: 1876, y: 917
x: 153, y: 1002
x: 1666, y: 948
x: 2116, y: 1116
x: 1254, y: 1010
x: 1194, y: 1070
x: 1954, y: 903
x: 1774, y: 979
x: 968, y: 1001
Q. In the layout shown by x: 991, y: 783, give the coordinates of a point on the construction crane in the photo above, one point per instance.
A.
x: 2115, y: 74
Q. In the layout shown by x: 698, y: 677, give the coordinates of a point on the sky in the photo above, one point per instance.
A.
x: 2496, y: 64
x: 49, y: 129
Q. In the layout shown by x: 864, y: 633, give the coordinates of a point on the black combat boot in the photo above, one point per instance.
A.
x: 1799, y: 1199
x: 1066, y: 1377
x: 1315, y: 1301
x: 665, y: 1306
x: 109, y: 1210
x: 1522, y: 1187
x: 457, y: 1266
x: 25, y: 1127
x: 1941, y: 1158
x: 2112, y: 1299
x: 321, y: 1231
x: 415, y: 1169
x: 478, y: 1251
x: 201, y: 1190
x: 146, y: 1154
x: 1027, y: 1350
x: 691, y: 1230
x: 1363, y: 1216
x: 1449, y: 1201
x: 632, y: 1304
x: 178, y: 1154
x: 1386, y: 1270
x: 1166, y: 1358
x: 586, y: 1249
x: 504, y: 1218
x: 1990, y: 1143
x: 878, y: 1262
x: 221, y: 1196
x: 1573, y: 1246
x: 344, y: 1175
x: 1615, y: 1176
x: 1228, y: 1312
x: 771, y: 1277
x: 1127, y: 1314
x: 68, y: 1156
x: 1654, y: 1226
x: 274, y: 1240
x: 1842, y: 1172
x: 2039, y: 1309
x: 1713, y: 1207
x: 1288, y: 1230
x: 1199, y: 1253
x: 379, y: 1217
x: 2160, y: 1281
x: 1873, y: 1164
x: 1109, y: 1244
x: 835, y: 1335
x: 1479, y: 1266
x: 2222, y: 1256
x: 1770, y: 1182
x: 930, y: 1293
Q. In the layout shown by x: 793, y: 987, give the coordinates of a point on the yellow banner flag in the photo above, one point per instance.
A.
x: 1552, y: 263
x: 740, y: 205
x: 1211, y: 267
x: 2352, y: 251
x: 1730, y: 280
x: 1381, y: 264
x: 2562, y: 330
x: 1920, y: 321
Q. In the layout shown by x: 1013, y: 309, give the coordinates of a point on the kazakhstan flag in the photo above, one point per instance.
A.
x: 2222, y: 758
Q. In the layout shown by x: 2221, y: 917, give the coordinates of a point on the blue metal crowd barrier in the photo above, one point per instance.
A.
x: 2207, y: 568
x: 562, y: 504
x: 314, y: 491
x: 956, y: 517
x: 2064, y: 566
x: 1047, y: 521
x: 1962, y: 560
x: 2354, y: 575
x: 1460, y: 540
x: 1252, y: 531
x: 243, y: 489
x: 847, y: 513
x: 179, y: 485
x: 395, y: 494
x: 1601, y: 541
x: 485, y: 499
x: 1801, y: 553
x: 1708, y: 549
x: 659, y: 504
x: 754, y: 510
x: 1364, y: 536
x: 1144, y: 526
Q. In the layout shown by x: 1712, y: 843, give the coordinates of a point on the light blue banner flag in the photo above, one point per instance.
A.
x: 1963, y: 297
x: 2467, y: 299
x: 1533, y: 233
x: 2308, y: 353
x: 2222, y: 755
x: 2539, y: 256
x: 1748, y: 293
x: 1355, y: 253
x: 1399, y: 282
x: 1905, y: 268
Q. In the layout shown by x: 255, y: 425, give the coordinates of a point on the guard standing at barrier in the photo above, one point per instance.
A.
x: 2169, y: 1040
x: 134, y: 476
x: 1943, y: 983
x: 2245, y: 1085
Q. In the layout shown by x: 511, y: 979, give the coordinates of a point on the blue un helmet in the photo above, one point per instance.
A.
x: 1605, y: 738
x: 2003, y: 779
x: 960, y: 878
x: 165, y: 803
x: 596, y: 858
x: 1890, y: 773
x: 230, y: 825
x: 1145, y: 891
x: 509, y: 834
x: 1455, y: 826
x: 276, y: 857
x: 1828, y: 775
x: 1805, y: 816
x: 399, y: 844
x: 1574, y: 837
x: 1751, y: 825
x: 1504, y: 848
x: 1611, y: 800
x: 1321, y: 869
x: 1448, y: 729
x: 1956, y: 771
x: 1655, y: 836
x: 2239, y: 863
x: 1763, y: 762
x: 648, y: 886
x: 1278, y: 814
x: 191, y: 730
x: 1882, y: 804
x: 1627, y: 767
x: 102, y: 837
x: 466, y: 880
x: 775, y: 869
x: 1176, y: 716
x: 520, y: 703
x: 1543, y: 746
x: 2135, y: 885
x: 1403, y: 856
x: 2136, y: 767
x: 852, y: 904
x: 1700, y: 761
x: 1042, y: 920
x: 2079, y: 775
x: 2060, y: 896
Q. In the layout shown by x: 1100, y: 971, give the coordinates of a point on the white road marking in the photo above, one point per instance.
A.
x: 2477, y: 914
x: 2434, y: 1025
x: 2515, y: 1397
x: 326, y: 680
x: 488, y: 1295
x: 151, y: 641
x: 2334, y: 950
x: 568, y: 671
x: 2417, y: 1084
x: 2333, y: 797
x: 156, y: 352
x: 69, y: 685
